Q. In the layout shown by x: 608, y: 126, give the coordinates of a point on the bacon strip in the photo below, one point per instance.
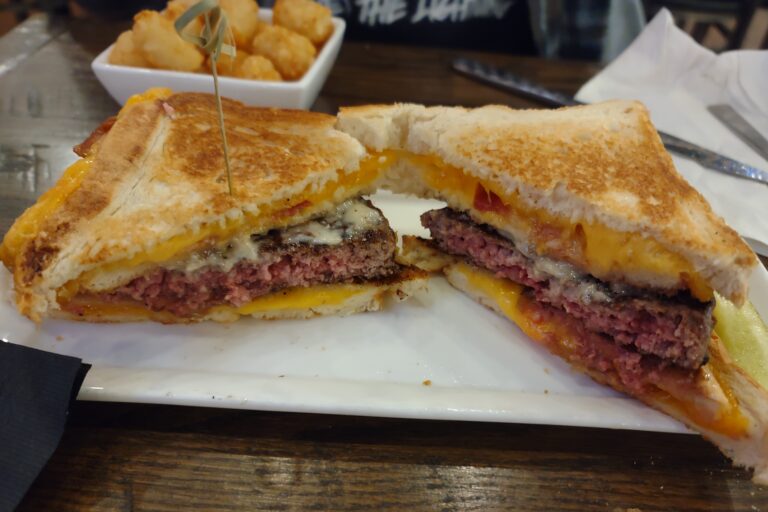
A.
x: 84, y: 148
x: 487, y: 201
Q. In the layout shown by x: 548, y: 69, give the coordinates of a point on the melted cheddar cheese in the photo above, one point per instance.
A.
x: 291, y: 299
x: 298, y: 298
x: 599, y: 250
x: 155, y: 93
x: 506, y: 295
x: 28, y: 225
x: 727, y: 420
x: 268, y: 218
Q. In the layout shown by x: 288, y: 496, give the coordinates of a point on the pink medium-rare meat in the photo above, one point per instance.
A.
x: 621, y: 366
x: 186, y: 293
x: 302, y: 256
x: 676, y: 329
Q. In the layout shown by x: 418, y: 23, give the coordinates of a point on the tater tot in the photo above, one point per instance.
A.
x: 176, y: 8
x: 243, y: 16
x: 226, y: 65
x: 291, y: 53
x: 259, y: 27
x: 125, y: 53
x: 256, y: 67
x: 155, y: 36
x: 305, y: 17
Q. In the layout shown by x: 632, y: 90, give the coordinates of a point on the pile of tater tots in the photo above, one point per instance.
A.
x: 283, y: 50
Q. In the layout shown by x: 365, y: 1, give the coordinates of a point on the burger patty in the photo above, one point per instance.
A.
x: 321, y: 251
x: 620, y: 366
x: 675, y: 328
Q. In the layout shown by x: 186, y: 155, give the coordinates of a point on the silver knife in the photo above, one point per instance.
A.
x: 741, y: 128
x: 513, y: 83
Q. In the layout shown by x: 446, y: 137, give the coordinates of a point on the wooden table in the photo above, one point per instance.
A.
x: 142, y: 457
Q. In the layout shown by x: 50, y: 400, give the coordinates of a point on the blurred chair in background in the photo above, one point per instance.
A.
x: 698, y: 17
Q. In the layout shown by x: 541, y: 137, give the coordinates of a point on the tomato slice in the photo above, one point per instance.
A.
x: 487, y: 201
x: 287, y: 212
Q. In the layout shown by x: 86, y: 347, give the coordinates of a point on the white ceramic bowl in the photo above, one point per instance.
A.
x: 124, y: 81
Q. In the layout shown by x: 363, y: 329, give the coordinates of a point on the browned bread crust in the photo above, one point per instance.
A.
x: 602, y: 162
x: 159, y: 173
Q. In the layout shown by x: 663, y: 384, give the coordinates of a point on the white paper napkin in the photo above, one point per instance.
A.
x: 677, y: 79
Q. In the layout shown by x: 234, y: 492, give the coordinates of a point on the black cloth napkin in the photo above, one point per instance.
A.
x: 36, y: 390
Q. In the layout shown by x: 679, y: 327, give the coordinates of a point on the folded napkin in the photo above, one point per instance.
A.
x: 36, y: 389
x: 677, y: 79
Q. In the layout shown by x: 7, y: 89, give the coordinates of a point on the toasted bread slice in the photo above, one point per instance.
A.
x: 154, y: 187
x: 719, y: 399
x: 589, y: 185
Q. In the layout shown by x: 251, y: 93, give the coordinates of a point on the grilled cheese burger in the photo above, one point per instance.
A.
x: 143, y: 226
x: 575, y: 224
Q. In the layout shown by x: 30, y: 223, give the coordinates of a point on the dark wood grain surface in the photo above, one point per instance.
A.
x: 144, y: 457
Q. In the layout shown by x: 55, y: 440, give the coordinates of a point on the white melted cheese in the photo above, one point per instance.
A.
x: 586, y: 289
x: 313, y: 232
x: 349, y: 219
x: 555, y: 268
x: 239, y: 248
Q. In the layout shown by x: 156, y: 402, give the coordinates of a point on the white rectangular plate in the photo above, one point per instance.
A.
x: 478, y: 365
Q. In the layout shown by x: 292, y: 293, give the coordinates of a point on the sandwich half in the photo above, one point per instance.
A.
x: 575, y: 224
x: 144, y: 227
